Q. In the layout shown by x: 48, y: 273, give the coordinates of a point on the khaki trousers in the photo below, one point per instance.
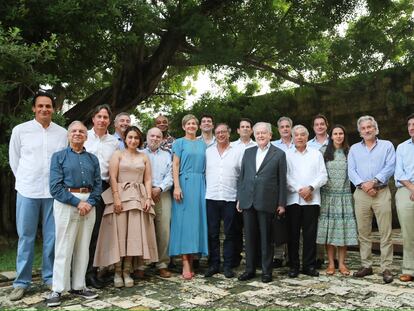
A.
x: 365, y: 208
x: 405, y: 210
x: 73, y: 235
x: 162, y: 228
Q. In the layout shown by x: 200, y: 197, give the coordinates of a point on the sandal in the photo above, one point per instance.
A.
x: 344, y: 271
x: 330, y: 270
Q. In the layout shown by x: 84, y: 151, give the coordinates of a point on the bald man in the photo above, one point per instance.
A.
x: 161, y: 168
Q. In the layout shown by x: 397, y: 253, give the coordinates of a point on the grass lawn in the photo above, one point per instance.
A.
x: 8, y: 256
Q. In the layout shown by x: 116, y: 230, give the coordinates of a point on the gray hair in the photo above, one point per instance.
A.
x: 300, y: 126
x: 284, y: 119
x: 77, y: 122
x: 187, y: 118
x: 121, y: 114
x: 368, y: 118
x: 265, y: 124
x: 153, y: 129
x: 223, y: 124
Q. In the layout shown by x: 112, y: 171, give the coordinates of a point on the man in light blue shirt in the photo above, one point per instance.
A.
x: 371, y: 163
x: 121, y: 123
x: 161, y: 170
x: 404, y: 199
x: 320, y: 127
x: 284, y: 126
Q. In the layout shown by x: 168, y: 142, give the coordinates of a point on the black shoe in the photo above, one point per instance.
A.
x: 92, y: 281
x: 247, y: 276
x: 387, y: 276
x: 311, y: 271
x: 277, y: 263
x: 266, y: 278
x: 293, y: 273
x: 172, y: 265
x: 228, y: 273
x: 53, y: 300
x: 319, y: 263
x: 211, y: 271
x: 196, y: 263
x: 85, y: 293
x: 235, y: 263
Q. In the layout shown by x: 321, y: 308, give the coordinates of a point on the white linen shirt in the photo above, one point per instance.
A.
x: 305, y: 169
x: 239, y: 143
x: 222, y: 173
x: 260, y: 155
x: 103, y: 147
x: 30, y: 151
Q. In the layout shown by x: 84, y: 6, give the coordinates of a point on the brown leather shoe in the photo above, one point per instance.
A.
x: 363, y: 272
x: 406, y: 278
x: 138, y: 274
x: 387, y: 276
x: 164, y: 273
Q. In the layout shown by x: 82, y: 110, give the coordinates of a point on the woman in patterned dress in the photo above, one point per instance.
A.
x: 337, y: 225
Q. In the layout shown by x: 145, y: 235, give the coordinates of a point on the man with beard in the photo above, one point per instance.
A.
x: 121, y: 123
x: 161, y: 169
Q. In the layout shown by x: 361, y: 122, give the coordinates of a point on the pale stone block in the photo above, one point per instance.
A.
x: 199, y: 301
x: 213, y: 290
x: 10, y: 275
x: 98, y: 304
x: 31, y: 300
x: 75, y: 307
x: 383, y: 301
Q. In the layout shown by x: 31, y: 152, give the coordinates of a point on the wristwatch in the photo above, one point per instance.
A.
x: 311, y: 188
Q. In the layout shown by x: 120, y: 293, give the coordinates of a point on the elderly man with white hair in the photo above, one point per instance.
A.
x: 261, y: 194
x: 306, y: 174
x: 371, y: 163
x: 75, y: 184
x: 161, y: 169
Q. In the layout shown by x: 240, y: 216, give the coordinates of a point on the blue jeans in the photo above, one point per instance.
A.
x: 28, y: 212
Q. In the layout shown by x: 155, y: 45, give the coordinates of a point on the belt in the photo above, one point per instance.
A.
x: 380, y: 187
x: 79, y: 190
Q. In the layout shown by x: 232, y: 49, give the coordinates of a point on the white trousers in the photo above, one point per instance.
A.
x: 73, y: 235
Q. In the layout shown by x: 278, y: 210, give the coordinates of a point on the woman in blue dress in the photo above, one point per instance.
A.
x: 188, y: 217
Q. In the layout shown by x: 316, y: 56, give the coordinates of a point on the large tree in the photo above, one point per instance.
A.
x: 126, y: 52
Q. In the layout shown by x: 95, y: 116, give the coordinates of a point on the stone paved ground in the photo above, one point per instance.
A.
x: 324, y: 292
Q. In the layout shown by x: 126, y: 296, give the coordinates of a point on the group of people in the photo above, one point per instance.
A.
x: 110, y: 200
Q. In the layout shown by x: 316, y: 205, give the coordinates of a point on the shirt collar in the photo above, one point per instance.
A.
x: 83, y: 150
x: 150, y: 151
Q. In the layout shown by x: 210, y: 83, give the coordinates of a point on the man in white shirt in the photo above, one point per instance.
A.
x: 103, y: 145
x: 245, y: 141
x: 245, y: 132
x: 284, y: 126
x: 206, y: 127
x: 306, y: 174
x: 223, y: 163
x: 31, y: 147
x: 121, y: 123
